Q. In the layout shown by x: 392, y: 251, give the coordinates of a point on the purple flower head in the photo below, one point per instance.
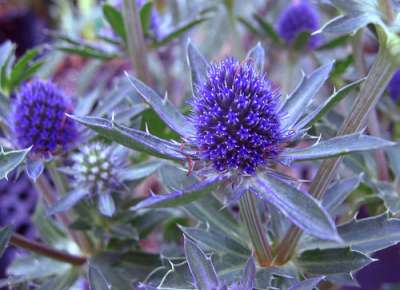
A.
x: 394, y: 86
x: 299, y: 17
x: 236, y: 117
x: 39, y: 119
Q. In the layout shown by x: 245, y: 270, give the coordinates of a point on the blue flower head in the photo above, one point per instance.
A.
x: 236, y: 117
x: 39, y: 119
x: 394, y: 86
x: 299, y: 17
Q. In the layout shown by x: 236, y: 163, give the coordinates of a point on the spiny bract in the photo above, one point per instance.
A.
x: 236, y: 117
x: 39, y: 119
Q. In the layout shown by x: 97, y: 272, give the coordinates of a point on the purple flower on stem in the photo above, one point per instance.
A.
x: 39, y: 119
x: 236, y: 117
x: 299, y: 17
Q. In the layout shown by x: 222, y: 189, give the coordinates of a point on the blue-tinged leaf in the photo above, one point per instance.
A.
x: 61, y: 282
x: 328, y: 105
x: 198, y: 65
x: 34, y: 168
x: 139, y: 171
x: 338, y: 192
x: 201, y: 267
x: 67, y: 201
x: 97, y: 280
x: 132, y: 138
x: 10, y: 160
x: 336, y: 146
x: 106, y: 204
x: 5, y: 235
x: 181, y: 196
x: 332, y: 261
x: 365, y: 235
x: 343, y: 279
x: 308, y: 284
x: 389, y: 194
x: 163, y: 107
x: 249, y: 275
x: 256, y: 55
x: 216, y: 241
x: 303, y: 95
x: 300, y: 207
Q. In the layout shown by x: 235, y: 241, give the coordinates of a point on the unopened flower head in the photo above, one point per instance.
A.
x: 39, y: 119
x: 236, y: 117
x: 298, y: 17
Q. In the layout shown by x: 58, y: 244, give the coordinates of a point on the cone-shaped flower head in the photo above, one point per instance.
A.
x: 394, y: 86
x: 299, y: 17
x: 39, y: 119
x: 236, y: 118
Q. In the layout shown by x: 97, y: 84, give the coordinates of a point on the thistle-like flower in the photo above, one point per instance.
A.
x: 299, y: 17
x: 39, y: 119
x: 394, y: 86
x: 236, y: 117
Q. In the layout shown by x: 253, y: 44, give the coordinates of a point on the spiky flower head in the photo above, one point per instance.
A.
x: 298, y: 17
x: 236, y: 117
x: 394, y: 86
x: 39, y: 119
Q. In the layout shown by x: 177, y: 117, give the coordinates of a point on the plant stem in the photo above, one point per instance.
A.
x: 371, y: 90
x: 42, y: 249
x: 135, y: 40
x: 387, y: 8
x: 252, y: 221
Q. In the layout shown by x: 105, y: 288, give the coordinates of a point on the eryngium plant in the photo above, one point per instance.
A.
x: 239, y: 130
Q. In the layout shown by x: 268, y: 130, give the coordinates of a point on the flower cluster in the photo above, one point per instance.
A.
x: 236, y: 118
x: 299, y: 17
x: 39, y: 119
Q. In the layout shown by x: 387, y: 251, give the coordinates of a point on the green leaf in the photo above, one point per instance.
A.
x: 303, y: 95
x: 300, y: 207
x: 5, y: 235
x: 10, y: 160
x: 145, y: 16
x: 114, y: 18
x: 332, y: 261
x: 132, y: 138
x: 96, y: 279
x: 163, y: 107
x: 21, y: 71
x: 335, y: 42
x: 337, y: 146
x: 300, y: 42
x: 179, y: 30
x: 267, y: 28
x: 201, y: 267
x: 366, y: 235
x: 249, y: 26
x: 216, y: 241
x: 86, y: 51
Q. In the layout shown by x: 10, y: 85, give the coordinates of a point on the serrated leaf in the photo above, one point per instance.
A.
x: 366, y: 235
x: 182, y: 196
x: 338, y: 192
x: 5, y: 235
x: 337, y: 146
x: 67, y: 201
x: 203, y: 272
x: 96, y: 279
x: 256, y: 55
x: 34, y: 168
x: 300, y: 207
x: 10, y: 160
x: 216, y: 241
x: 332, y: 261
x: 114, y: 18
x: 132, y: 138
x: 106, y: 204
x: 163, y: 107
x: 308, y: 284
x: 302, y: 96
x: 198, y: 65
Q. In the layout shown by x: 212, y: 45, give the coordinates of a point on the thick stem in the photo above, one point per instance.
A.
x: 252, y: 221
x: 371, y: 90
x: 41, y: 249
x: 135, y: 40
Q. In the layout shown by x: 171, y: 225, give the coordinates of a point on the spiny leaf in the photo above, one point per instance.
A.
x: 256, y: 55
x: 10, y: 160
x: 198, y: 65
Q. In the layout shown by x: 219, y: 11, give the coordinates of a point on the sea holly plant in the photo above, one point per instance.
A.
x: 238, y: 130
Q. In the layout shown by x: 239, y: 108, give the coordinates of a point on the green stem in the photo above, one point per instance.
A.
x: 252, y: 221
x: 378, y: 77
x: 135, y: 40
x: 42, y: 249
